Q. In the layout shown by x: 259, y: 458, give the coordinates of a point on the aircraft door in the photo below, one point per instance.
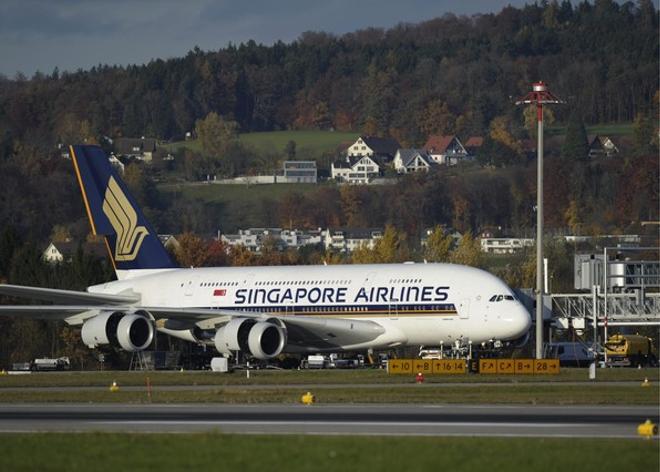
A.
x: 464, y: 309
x: 190, y: 286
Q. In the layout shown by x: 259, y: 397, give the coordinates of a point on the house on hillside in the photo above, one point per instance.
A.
x: 349, y: 239
x: 142, y: 149
x: 446, y: 150
x: 473, y: 145
x: 412, y: 160
x: 299, y: 172
x: 169, y: 241
x: 254, y: 238
x: 382, y: 148
x: 505, y: 245
x: 602, y: 146
x: 355, y: 169
x: 58, y: 252
x: 117, y: 163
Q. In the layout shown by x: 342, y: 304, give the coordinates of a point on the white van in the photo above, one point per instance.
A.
x: 570, y: 354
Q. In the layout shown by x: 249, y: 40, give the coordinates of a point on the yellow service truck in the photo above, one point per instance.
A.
x: 630, y: 350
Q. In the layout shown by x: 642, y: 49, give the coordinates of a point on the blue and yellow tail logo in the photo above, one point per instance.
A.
x: 113, y: 212
x: 123, y: 219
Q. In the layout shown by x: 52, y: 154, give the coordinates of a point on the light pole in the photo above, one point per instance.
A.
x: 539, y: 96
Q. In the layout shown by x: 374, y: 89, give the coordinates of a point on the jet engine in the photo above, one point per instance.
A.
x: 262, y: 339
x: 130, y: 331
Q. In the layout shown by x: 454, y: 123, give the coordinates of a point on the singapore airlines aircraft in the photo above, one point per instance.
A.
x: 264, y: 311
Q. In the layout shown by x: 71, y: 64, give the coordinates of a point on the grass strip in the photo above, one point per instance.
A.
x: 112, y: 452
x: 552, y: 394
x: 270, y: 377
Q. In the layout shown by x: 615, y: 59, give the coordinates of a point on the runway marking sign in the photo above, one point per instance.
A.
x: 399, y: 366
x: 505, y: 366
x: 487, y: 366
x: 519, y: 366
x: 546, y: 366
x: 524, y: 366
x: 425, y: 366
x: 449, y: 366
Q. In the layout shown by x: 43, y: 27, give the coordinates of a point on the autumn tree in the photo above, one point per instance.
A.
x: 438, y: 245
x: 573, y: 216
x: 217, y: 254
x: 60, y: 234
x: 242, y: 256
x: 392, y: 247
x: 388, y: 249
x: 322, y: 119
x: 192, y: 251
x: 499, y: 131
x: 531, y: 122
x: 437, y: 119
x: 216, y: 134
x: 468, y: 252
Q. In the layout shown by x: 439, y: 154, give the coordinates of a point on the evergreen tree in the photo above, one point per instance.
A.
x: 643, y: 134
x: 576, y: 144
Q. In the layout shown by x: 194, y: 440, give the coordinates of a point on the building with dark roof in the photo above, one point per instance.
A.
x: 374, y: 146
x: 356, y: 169
x: 446, y: 150
x: 137, y: 148
x: 602, y: 146
x: 412, y: 160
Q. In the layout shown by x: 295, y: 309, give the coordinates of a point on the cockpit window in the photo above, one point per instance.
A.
x: 499, y: 298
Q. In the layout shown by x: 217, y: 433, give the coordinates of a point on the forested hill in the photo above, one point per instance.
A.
x: 449, y: 74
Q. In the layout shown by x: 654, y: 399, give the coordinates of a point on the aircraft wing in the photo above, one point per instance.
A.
x: 65, y: 296
x: 308, y: 332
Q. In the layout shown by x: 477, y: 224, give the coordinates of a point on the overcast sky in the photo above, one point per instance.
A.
x: 71, y: 34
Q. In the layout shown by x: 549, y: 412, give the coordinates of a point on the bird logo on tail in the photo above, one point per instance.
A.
x: 124, y: 219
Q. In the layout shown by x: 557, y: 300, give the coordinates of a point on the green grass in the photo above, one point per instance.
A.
x: 610, y: 129
x: 309, y: 144
x: 306, y: 141
x: 551, y: 394
x: 245, y: 195
x: 302, y: 377
x: 238, y: 206
x: 214, y: 451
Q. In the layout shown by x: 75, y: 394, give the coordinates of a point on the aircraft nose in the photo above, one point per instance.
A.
x: 518, y: 320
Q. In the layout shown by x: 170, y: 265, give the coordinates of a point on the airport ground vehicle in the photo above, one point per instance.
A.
x: 630, y: 350
x: 570, y: 354
x: 61, y: 363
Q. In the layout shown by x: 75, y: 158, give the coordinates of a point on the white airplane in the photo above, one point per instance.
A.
x: 264, y: 311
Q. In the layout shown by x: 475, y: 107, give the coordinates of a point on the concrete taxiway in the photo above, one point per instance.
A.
x: 304, y: 387
x: 432, y: 420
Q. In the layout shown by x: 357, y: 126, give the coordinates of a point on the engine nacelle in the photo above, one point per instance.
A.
x: 261, y: 339
x: 130, y: 331
x: 266, y: 340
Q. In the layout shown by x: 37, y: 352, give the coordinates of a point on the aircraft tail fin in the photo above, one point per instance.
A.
x: 114, y: 213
